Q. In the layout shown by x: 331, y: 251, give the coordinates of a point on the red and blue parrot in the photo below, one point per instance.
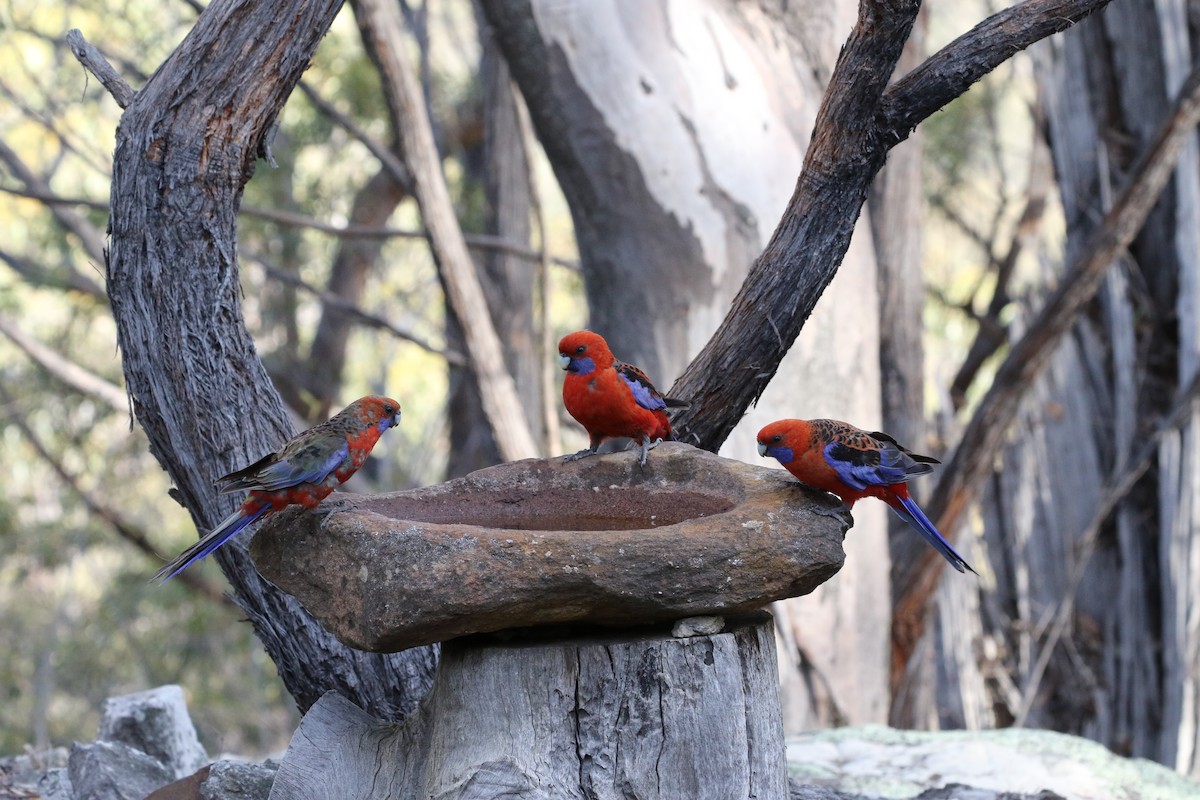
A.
x: 841, y: 459
x: 609, y: 398
x: 303, y: 472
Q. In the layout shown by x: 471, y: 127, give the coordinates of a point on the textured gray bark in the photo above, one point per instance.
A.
x: 1121, y: 75
x: 615, y: 715
x: 185, y: 148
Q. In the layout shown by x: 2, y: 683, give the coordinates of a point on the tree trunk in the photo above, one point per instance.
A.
x: 623, y: 714
x: 185, y: 148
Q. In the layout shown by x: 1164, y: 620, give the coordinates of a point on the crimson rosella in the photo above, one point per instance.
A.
x: 303, y: 472
x: 841, y: 459
x: 609, y: 398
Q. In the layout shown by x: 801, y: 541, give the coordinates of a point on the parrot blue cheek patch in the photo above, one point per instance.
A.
x: 582, y: 366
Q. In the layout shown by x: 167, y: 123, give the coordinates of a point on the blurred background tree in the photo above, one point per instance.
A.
x: 342, y: 297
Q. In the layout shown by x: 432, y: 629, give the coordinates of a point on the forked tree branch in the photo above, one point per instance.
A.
x: 859, y: 121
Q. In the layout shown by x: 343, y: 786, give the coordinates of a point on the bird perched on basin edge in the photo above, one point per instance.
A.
x: 610, y: 398
x: 839, y: 458
x: 307, y: 468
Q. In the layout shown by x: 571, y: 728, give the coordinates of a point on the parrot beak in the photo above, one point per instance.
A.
x: 564, y: 360
x: 762, y: 449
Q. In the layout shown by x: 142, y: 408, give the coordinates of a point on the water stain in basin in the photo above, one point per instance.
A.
x: 552, y: 509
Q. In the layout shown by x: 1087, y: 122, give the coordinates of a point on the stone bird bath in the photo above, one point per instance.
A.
x: 538, y: 542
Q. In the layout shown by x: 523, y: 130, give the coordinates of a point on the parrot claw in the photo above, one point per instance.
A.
x: 584, y: 453
x: 840, y: 512
x: 644, y: 451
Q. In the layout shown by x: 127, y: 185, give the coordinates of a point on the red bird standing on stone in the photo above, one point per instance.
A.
x: 841, y: 459
x: 303, y: 472
x: 609, y: 398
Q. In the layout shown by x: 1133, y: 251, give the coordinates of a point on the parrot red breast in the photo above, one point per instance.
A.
x: 303, y: 472
x: 841, y: 459
x: 609, y: 398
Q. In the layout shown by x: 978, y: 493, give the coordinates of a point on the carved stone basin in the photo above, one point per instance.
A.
x: 537, y: 542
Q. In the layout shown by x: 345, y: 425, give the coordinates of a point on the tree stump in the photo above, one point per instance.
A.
x: 636, y: 713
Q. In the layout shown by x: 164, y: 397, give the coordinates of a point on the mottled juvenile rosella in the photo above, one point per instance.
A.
x: 839, y: 458
x: 303, y: 472
x: 609, y: 398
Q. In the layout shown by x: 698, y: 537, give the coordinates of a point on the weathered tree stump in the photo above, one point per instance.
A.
x: 628, y: 714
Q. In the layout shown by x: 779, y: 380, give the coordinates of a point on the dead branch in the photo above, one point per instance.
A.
x: 37, y: 275
x: 383, y: 34
x: 363, y: 317
x: 125, y: 529
x: 984, y: 435
x: 98, y: 65
x: 290, y: 219
x: 68, y: 372
x: 950, y: 71
x: 91, y: 238
x: 857, y: 123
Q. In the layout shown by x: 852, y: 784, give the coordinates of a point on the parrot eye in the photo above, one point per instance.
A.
x: 387, y: 408
x: 777, y: 438
x: 581, y: 348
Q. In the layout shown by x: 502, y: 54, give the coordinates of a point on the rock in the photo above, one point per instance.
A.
x: 697, y: 626
x: 238, y: 780
x: 537, y: 542
x: 114, y: 771
x: 986, y: 765
x: 187, y: 788
x: 55, y: 785
x: 222, y: 780
x: 157, y: 723
x: 798, y: 791
x: 22, y: 775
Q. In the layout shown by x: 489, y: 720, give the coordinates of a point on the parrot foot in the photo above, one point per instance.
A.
x: 584, y: 453
x: 644, y: 450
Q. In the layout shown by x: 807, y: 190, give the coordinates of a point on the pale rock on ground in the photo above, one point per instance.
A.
x: 881, y: 762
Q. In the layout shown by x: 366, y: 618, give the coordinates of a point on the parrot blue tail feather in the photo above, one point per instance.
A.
x: 231, y: 526
x: 910, y: 512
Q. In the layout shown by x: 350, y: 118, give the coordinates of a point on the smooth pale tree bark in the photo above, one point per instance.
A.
x: 187, y: 143
x: 676, y: 131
